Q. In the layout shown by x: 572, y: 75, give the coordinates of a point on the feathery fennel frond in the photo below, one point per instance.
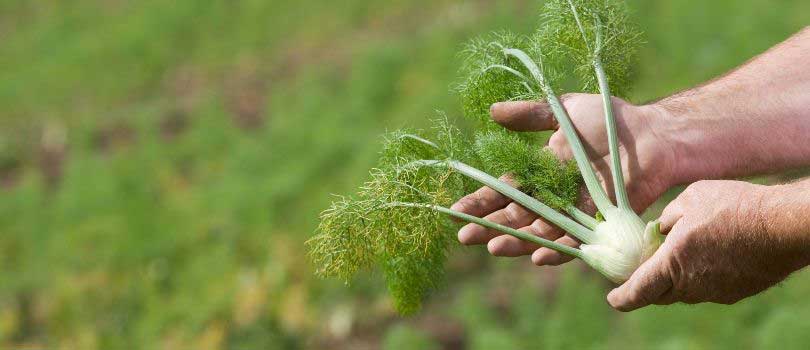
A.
x: 491, y: 76
x: 598, y: 36
x: 343, y: 244
x: 398, y: 220
x: 409, y: 243
x: 537, y: 171
x: 584, y: 30
x: 413, y: 240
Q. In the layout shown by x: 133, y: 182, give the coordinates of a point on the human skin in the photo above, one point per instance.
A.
x: 751, y: 121
x: 727, y: 240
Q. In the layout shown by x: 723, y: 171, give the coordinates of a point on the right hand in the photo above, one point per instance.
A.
x: 726, y: 241
x: 648, y: 159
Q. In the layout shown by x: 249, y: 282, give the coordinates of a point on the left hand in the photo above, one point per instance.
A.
x: 649, y: 161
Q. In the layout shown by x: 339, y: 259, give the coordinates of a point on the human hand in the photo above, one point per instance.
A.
x: 648, y: 161
x: 722, y: 246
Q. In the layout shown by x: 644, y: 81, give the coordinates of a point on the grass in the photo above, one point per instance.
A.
x: 195, y: 240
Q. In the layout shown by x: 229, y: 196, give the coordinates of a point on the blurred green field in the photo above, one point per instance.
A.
x: 161, y: 164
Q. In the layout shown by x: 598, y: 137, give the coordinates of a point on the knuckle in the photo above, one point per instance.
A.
x: 463, y: 204
x: 543, y: 111
x: 688, y: 195
x: 681, y: 271
x: 687, y: 192
x: 577, y: 101
x: 469, y: 203
x: 512, y: 213
x: 673, y: 268
x: 567, y: 96
x: 509, y: 179
x: 637, y: 298
x: 699, y: 186
x: 671, y: 209
x: 545, y: 230
x: 475, y: 200
x: 572, y: 97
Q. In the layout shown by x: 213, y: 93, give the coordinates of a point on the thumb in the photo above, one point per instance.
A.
x: 670, y: 216
x: 524, y: 115
x: 645, y: 286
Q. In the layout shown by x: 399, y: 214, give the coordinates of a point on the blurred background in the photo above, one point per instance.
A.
x: 162, y: 162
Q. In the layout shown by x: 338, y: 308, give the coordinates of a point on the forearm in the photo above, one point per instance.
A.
x: 785, y: 216
x: 754, y: 120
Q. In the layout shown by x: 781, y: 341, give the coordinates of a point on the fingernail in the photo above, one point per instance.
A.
x: 492, y: 108
x: 494, y: 247
x: 465, y: 234
x: 537, y: 258
x: 612, y: 293
x: 615, y: 301
x: 463, y: 237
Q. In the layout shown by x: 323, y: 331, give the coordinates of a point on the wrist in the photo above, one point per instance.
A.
x: 782, y: 216
x: 676, y: 162
x: 713, y: 139
x: 705, y: 144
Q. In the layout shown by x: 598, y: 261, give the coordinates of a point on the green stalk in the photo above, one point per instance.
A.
x: 598, y: 194
x: 579, y: 24
x: 420, y: 139
x: 610, y: 124
x: 530, y: 203
x: 622, y: 200
x: 534, y: 69
x: 495, y: 226
x: 507, y: 69
x: 524, y: 80
x: 573, y: 211
x: 582, y: 217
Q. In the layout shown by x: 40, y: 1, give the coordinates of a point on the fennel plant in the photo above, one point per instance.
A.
x: 399, y: 218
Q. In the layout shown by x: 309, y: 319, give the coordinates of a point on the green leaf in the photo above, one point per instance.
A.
x: 482, y: 86
x: 572, y: 37
x: 537, y: 171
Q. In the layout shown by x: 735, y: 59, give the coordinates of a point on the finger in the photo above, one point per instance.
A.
x: 550, y: 257
x: 524, y: 115
x: 558, y: 146
x: 511, y: 246
x: 671, y: 214
x: 646, y: 286
x: 514, y: 216
x: 483, y: 201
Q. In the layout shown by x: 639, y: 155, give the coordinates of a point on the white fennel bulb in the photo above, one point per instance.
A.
x: 621, y: 244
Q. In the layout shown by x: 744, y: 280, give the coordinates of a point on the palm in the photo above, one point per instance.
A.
x: 643, y: 159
